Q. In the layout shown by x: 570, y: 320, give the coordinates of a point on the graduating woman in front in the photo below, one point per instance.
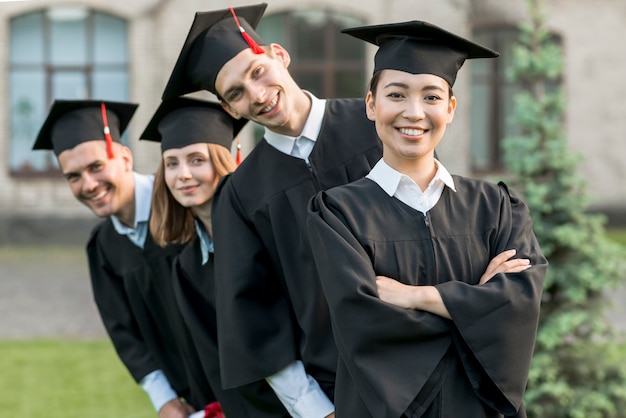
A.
x: 195, y: 138
x: 424, y: 324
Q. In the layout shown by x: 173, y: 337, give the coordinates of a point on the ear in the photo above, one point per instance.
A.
x: 229, y: 109
x: 127, y: 156
x: 451, y: 109
x: 281, y: 54
x: 370, y: 106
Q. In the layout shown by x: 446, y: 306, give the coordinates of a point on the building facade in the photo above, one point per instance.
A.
x: 123, y: 50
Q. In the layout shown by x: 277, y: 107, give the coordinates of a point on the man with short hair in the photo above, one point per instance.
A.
x: 273, y: 320
x: 130, y: 273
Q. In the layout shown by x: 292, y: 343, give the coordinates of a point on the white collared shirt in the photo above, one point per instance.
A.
x: 311, y: 131
x: 299, y: 392
x: 143, y: 202
x: 403, y: 188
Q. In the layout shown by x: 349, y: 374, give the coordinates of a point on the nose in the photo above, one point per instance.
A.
x: 184, y: 173
x: 414, y: 110
x: 257, y: 93
x: 90, y: 183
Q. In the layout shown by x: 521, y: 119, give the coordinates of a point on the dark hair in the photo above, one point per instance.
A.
x: 373, y: 85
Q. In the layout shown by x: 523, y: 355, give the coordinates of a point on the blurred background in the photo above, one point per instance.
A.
x: 121, y: 50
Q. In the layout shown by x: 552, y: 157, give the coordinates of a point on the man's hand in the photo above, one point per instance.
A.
x: 176, y: 409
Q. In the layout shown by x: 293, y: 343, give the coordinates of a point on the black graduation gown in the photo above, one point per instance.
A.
x: 195, y: 293
x: 271, y: 309
x: 475, y: 365
x: 134, y: 295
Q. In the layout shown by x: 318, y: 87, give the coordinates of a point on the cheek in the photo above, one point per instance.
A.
x: 170, y: 179
x: 76, y: 187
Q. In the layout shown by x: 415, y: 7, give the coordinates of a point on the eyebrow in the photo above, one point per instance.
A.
x: 77, y: 173
x: 236, y: 86
x: 406, y: 86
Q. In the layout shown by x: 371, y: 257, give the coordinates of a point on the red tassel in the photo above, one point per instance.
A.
x: 251, y: 43
x: 213, y: 410
x: 107, y: 132
x: 238, y: 155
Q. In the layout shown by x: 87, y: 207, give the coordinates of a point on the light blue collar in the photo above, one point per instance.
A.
x: 206, y: 244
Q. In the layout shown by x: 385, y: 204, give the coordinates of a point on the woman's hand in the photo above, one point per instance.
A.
x: 502, y: 264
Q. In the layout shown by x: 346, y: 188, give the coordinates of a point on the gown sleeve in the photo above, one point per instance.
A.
x: 495, y: 324
x: 389, y: 352
x: 254, y: 317
x: 116, y: 314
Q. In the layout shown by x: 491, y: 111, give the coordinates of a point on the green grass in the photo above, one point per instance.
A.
x: 69, y: 379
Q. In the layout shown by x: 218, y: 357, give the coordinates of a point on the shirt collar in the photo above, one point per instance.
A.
x: 206, y: 244
x: 311, y: 130
x: 389, y: 179
x: 143, y: 202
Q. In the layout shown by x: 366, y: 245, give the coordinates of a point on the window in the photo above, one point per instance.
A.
x: 323, y: 60
x: 60, y: 53
x: 493, y: 98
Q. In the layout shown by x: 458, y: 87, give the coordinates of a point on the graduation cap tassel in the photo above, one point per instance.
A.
x: 238, y: 155
x: 213, y: 410
x: 253, y: 45
x: 107, y: 132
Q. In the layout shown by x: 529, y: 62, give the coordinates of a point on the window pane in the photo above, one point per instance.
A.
x: 69, y: 85
x: 110, y: 85
x: 110, y: 46
x: 27, y: 39
x: 68, y: 42
x: 310, y: 35
x: 350, y: 84
x: 347, y: 47
x: 65, y: 39
x: 272, y: 29
x: 28, y: 110
x: 313, y: 82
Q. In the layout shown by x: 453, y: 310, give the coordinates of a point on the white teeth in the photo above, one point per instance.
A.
x: 99, y: 195
x: 271, y: 105
x: 411, y: 132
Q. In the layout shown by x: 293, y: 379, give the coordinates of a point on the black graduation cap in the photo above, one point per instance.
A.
x: 72, y: 122
x: 183, y: 121
x: 419, y: 47
x: 214, y: 39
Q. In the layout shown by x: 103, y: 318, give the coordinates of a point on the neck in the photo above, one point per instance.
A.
x: 127, y: 214
x: 298, y: 115
x: 421, y: 170
x: 203, y: 213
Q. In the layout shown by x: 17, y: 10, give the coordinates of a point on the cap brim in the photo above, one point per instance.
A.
x: 420, y: 30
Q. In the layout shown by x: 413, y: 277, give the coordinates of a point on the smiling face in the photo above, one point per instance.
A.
x: 190, y: 175
x: 104, y: 185
x: 259, y: 87
x: 411, y: 112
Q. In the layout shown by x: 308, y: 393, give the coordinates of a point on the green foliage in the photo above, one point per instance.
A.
x: 67, y: 379
x: 576, y: 373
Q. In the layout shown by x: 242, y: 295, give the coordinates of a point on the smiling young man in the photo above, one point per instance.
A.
x: 130, y: 273
x: 273, y: 317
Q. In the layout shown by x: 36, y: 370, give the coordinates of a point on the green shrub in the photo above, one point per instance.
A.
x: 577, y: 370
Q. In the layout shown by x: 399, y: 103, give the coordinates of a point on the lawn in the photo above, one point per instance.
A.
x: 67, y: 379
